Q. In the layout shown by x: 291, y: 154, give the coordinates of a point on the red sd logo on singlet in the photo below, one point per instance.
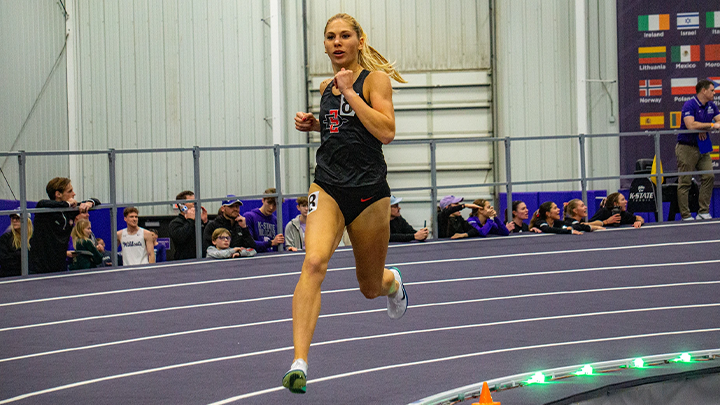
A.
x: 333, y: 121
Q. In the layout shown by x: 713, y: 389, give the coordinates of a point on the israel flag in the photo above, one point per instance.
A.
x: 688, y: 21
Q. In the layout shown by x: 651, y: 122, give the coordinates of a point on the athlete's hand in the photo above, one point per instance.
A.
x: 343, y: 80
x: 306, y: 122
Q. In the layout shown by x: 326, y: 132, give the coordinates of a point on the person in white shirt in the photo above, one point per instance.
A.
x: 137, y: 243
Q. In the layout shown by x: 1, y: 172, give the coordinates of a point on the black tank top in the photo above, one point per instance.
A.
x: 349, y: 155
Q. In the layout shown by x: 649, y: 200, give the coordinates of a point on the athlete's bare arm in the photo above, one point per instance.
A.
x: 307, y: 122
x: 379, y: 119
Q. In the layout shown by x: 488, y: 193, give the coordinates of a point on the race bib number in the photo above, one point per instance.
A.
x: 345, y: 109
x: 313, y: 201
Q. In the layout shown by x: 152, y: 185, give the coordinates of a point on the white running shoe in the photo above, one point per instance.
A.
x: 688, y: 219
x: 704, y: 216
x: 397, y: 303
x: 296, y: 379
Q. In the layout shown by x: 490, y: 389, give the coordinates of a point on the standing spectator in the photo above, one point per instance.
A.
x: 230, y: 219
x: 519, y: 214
x: 86, y: 255
x: 137, y: 243
x: 221, y: 247
x: 547, y: 220
x: 614, y: 212
x: 10, y: 247
x: 159, y: 248
x: 182, y: 228
x: 575, y: 214
x: 106, y: 258
x: 400, y: 229
x: 693, y: 150
x: 52, y: 230
x: 295, y: 229
x: 262, y: 223
x: 451, y: 224
x: 485, y: 219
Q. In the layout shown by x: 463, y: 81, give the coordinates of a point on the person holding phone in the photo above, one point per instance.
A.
x: 182, y: 228
x: 614, y: 212
x: 400, y: 229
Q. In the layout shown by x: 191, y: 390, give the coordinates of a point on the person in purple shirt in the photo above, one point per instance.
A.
x: 691, y: 149
x: 485, y: 219
x: 262, y: 223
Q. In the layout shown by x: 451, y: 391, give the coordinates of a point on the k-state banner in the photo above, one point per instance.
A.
x: 664, y: 48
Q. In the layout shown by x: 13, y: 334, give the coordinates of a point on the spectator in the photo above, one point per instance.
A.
x: 574, y: 215
x: 295, y: 229
x: 485, y: 219
x: 547, y: 220
x: 10, y: 247
x: 222, y: 250
x: 451, y: 224
x: 519, y: 213
x: 159, y: 248
x: 262, y: 223
x: 137, y: 243
x: 182, y: 228
x: 52, y: 230
x: 400, y: 229
x: 86, y: 255
x: 230, y: 219
x: 613, y: 212
x: 107, y: 258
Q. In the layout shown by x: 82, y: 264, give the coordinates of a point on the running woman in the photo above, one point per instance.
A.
x: 350, y: 190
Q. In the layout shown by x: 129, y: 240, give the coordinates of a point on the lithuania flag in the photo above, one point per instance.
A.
x: 652, y: 54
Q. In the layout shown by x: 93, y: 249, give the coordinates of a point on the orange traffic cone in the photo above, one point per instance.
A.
x: 485, y: 398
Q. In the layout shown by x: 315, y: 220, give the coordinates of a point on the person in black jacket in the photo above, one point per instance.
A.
x: 614, y: 212
x: 182, y: 228
x: 400, y: 230
x: 451, y: 223
x: 519, y: 214
x: 229, y: 218
x: 10, y: 264
x: 575, y: 214
x: 547, y: 220
x: 52, y: 230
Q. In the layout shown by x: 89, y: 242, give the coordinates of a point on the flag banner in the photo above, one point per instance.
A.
x: 684, y: 85
x: 652, y: 54
x: 716, y: 81
x: 688, y: 21
x: 675, y: 119
x: 712, y: 52
x: 654, y: 22
x: 685, y: 53
x: 652, y: 120
x: 714, y: 155
x: 712, y: 19
x: 649, y: 88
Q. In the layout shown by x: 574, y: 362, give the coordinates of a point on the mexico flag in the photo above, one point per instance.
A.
x: 652, y: 120
x: 654, y: 22
x: 684, y: 85
x: 685, y: 53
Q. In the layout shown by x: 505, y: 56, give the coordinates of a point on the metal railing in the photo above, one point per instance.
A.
x: 113, y: 204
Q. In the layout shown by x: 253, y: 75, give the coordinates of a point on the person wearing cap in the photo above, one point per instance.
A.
x: 451, y: 223
x: 400, y: 229
x: 262, y: 223
x: 10, y: 247
x: 229, y: 218
x: 136, y: 243
x: 295, y: 229
x: 182, y: 227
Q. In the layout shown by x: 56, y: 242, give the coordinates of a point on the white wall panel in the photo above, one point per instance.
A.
x: 32, y: 38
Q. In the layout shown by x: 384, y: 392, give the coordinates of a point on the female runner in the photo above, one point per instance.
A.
x: 350, y: 189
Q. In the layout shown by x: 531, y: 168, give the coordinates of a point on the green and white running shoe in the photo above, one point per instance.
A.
x: 296, y: 379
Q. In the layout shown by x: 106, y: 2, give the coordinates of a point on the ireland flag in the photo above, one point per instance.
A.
x: 654, y: 22
x: 712, y: 19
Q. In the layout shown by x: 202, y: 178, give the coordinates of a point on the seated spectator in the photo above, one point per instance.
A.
x: 400, y: 230
x: 574, y: 215
x: 86, y: 255
x: 107, y: 258
x: 10, y: 247
x: 262, y: 223
x: 159, y: 248
x: 613, y: 212
x: 295, y: 229
x: 485, y: 219
x: 451, y: 224
x: 136, y: 243
x: 519, y: 213
x: 52, y: 230
x: 221, y: 247
x: 229, y: 218
x: 547, y: 220
x: 182, y: 227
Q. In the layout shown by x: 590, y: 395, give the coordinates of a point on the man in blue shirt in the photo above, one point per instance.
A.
x: 692, y: 150
x: 262, y: 223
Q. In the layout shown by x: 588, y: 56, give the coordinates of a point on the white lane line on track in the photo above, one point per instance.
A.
x: 408, y: 245
x: 331, y: 342
x: 149, y: 311
x: 463, y: 259
x: 467, y: 355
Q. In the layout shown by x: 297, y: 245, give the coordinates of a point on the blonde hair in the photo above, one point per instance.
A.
x: 570, y: 207
x: 17, y: 235
x: 368, y: 58
x: 78, y: 233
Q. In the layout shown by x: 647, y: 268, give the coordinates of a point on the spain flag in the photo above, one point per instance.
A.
x: 652, y: 120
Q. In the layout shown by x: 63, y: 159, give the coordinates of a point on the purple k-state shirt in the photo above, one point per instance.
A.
x: 263, y: 229
x: 701, y: 113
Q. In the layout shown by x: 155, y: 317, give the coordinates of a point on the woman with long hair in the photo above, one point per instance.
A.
x: 350, y: 189
x: 86, y: 255
x: 574, y: 215
x: 614, y: 212
x: 547, y: 220
x: 485, y: 219
x: 10, y: 247
x: 519, y: 213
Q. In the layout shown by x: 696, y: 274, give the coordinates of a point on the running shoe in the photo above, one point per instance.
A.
x: 704, y: 216
x: 398, y: 303
x: 688, y: 219
x: 296, y: 379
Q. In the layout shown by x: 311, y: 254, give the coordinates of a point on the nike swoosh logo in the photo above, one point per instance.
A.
x: 366, y: 199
